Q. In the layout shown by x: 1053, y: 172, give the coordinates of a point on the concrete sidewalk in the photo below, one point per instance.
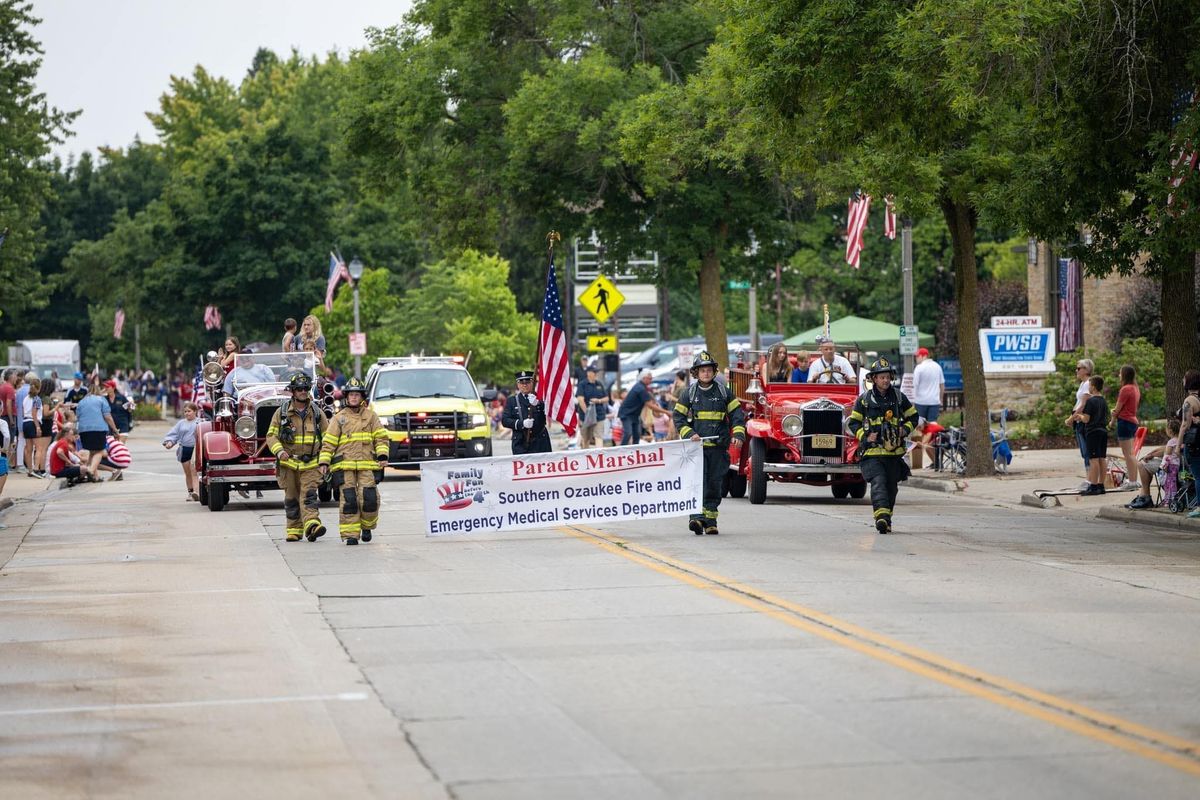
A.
x: 1055, y: 471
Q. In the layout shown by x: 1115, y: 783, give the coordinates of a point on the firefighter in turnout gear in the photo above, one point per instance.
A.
x: 354, y: 447
x: 525, y: 414
x: 882, y: 421
x: 709, y: 413
x: 294, y: 438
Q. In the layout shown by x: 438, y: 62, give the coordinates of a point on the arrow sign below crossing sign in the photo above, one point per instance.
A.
x: 604, y: 343
x: 601, y: 298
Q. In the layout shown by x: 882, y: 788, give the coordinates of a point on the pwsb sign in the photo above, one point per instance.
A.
x: 1019, y: 350
x: 542, y: 490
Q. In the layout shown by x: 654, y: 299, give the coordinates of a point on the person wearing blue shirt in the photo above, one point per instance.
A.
x: 631, y: 409
x: 247, y: 373
x: 94, y: 421
x: 22, y: 393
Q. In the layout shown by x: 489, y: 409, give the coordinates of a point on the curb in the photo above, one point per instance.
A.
x: 5, y: 502
x: 1157, y: 519
x: 935, y: 484
x: 1040, y: 502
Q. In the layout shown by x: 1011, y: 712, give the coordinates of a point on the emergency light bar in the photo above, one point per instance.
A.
x: 414, y: 360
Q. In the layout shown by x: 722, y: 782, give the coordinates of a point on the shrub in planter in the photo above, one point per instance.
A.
x: 1058, y: 396
x: 145, y: 412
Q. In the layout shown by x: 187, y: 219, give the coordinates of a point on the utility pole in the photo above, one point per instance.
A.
x: 753, y: 294
x: 137, y: 347
x: 779, y: 298
x: 906, y: 256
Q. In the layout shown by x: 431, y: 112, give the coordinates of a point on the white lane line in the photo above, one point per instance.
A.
x: 245, y: 701
x: 42, y: 597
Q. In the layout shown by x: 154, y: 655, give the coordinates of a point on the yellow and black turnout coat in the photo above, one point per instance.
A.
x: 354, y: 441
x: 709, y: 411
x: 890, y: 415
x: 303, y: 435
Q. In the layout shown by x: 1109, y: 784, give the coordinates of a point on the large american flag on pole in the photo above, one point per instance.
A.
x: 856, y: 224
x: 337, y: 273
x: 554, y: 368
x: 1070, y: 305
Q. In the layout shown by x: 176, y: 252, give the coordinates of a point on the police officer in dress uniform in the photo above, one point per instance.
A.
x: 882, y: 421
x: 294, y: 438
x: 525, y: 414
x: 355, y: 447
x: 709, y: 413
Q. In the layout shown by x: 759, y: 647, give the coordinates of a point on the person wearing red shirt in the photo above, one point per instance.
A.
x: 64, y: 462
x: 8, y: 400
x: 1129, y: 397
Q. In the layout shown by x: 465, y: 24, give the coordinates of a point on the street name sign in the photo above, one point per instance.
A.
x: 601, y: 298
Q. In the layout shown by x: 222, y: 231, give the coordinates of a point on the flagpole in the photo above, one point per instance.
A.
x: 552, y: 238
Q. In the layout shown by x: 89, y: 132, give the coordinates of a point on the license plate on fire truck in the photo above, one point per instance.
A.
x: 436, y: 452
x: 824, y: 441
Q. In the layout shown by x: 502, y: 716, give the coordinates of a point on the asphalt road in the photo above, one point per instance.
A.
x: 152, y: 648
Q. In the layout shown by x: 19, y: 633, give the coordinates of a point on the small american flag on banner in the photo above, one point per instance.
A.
x: 118, y: 322
x: 856, y: 224
x: 1070, y: 305
x: 554, y: 369
x: 212, y: 318
x: 889, y: 217
x: 337, y: 273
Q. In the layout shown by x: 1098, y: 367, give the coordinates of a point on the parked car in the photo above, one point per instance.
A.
x: 231, y: 449
x: 795, y: 433
x: 663, y: 359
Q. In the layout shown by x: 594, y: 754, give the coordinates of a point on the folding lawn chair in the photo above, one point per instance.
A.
x: 1116, y: 468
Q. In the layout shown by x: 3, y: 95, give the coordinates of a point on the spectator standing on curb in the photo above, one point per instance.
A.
x: 593, y: 406
x: 31, y: 420
x: 95, y: 421
x: 122, y: 409
x: 8, y: 402
x: 1129, y: 397
x: 1094, y: 416
x: 183, y: 436
x: 77, y: 390
x: 1083, y: 370
x: 22, y: 392
x: 5, y: 441
x: 45, y: 423
x: 929, y: 386
x: 631, y: 409
x: 1189, y: 419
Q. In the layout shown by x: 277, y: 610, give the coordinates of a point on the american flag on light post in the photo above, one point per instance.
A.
x: 337, y: 273
x: 856, y: 224
x: 889, y: 217
x: 554, y: 368
x: 118, y: 322
x: 212, y: 318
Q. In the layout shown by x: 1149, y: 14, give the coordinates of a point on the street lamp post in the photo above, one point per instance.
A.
x: 356, y: 271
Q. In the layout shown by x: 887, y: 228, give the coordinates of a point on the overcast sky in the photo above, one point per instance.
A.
x: 113, y: 59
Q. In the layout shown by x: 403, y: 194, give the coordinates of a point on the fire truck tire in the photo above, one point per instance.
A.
x: 858, y: 490
x: 758, y: 474
x: 737, y: 484
x: 840, y: 490
x: 218, y: 495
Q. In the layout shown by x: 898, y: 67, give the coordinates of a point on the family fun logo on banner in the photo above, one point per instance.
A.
x: 541, y: 490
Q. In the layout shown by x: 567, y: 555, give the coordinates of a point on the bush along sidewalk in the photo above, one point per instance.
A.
x: 1058, y: 396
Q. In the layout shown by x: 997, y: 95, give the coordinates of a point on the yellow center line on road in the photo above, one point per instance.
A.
x: 1176, y: 752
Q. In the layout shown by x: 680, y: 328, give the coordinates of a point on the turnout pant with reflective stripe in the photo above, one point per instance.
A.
x: 301, y: 501
x: 716, y: 464
x: 884, y: 474
x: 360, y: 503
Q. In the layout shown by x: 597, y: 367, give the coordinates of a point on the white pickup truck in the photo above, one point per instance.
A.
x: 44, y: 356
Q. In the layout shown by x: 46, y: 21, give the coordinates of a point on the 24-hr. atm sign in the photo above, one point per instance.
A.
x: 1017, y: 350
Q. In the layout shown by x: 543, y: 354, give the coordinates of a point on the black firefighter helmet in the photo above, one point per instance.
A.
x: 702, y: 359
x: 879, y: 366
x: 355, y: 385
x: 299, y: 381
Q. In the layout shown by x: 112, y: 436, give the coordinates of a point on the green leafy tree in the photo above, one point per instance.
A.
x: 28, y: 126
x: 379, y: 304
x: 463, y: 305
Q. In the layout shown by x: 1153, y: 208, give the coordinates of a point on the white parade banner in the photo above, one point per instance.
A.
x: 542, y: 490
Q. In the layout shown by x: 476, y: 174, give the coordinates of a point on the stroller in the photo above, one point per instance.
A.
x: 1184, y: 496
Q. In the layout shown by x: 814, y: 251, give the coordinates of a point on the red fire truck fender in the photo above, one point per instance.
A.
x: 220, y: 445
x: 758, y: 427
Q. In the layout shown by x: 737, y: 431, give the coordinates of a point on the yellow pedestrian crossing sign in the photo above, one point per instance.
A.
x: 601, y: 298
x: 604, y: 343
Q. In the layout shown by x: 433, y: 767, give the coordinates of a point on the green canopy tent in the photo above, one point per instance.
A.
x: 868, y: 334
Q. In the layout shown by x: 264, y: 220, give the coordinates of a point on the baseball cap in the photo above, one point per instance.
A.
x: 110, y: 384
x: 923, y: 352
x: 79, y: 376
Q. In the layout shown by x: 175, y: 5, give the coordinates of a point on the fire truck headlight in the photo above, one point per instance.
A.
x: 792, y: 425
x: 245, y: 427
x: 478, y: 420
